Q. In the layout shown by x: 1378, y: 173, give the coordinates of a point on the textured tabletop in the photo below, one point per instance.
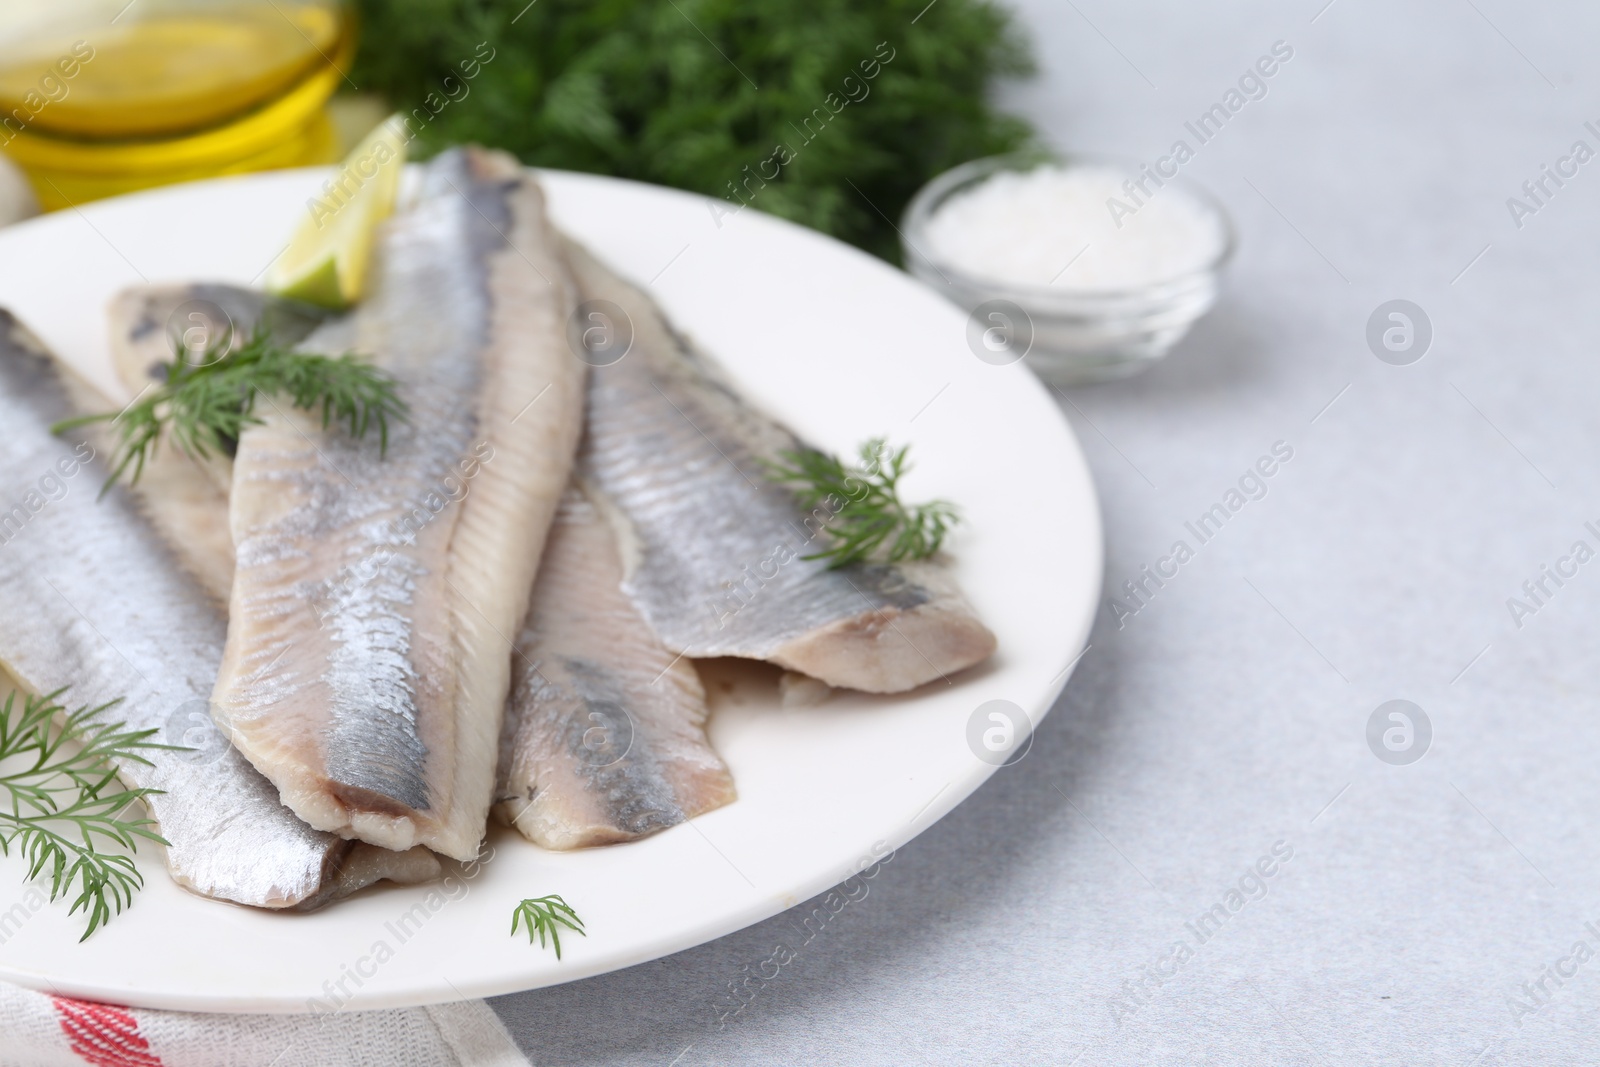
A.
x: 1219, y: 849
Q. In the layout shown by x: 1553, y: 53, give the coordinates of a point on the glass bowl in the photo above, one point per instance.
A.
x: 1068, y: 335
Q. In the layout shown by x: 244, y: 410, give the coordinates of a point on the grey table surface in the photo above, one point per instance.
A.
x: 1428, y: 912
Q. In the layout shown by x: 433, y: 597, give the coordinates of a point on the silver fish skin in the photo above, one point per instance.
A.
x: 375, y: 595
x: 604, y: 738
x: 715, y: 560
x: 94, y: 604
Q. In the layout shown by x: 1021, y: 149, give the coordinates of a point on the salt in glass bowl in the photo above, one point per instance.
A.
x: 1069, y: 336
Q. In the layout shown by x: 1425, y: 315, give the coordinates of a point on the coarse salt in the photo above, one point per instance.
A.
x: 1052, y: 227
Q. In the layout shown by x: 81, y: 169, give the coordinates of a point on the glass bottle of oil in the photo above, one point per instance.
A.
x: 99, y: 97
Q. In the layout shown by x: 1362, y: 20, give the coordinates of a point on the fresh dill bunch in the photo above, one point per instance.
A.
x: 62, y: 807
x: 207, y: 400
x: 869, y: 520
x: 546, y: 915
x: 869, y: 100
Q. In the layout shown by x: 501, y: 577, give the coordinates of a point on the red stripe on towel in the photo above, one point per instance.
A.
x: 104, y: 1035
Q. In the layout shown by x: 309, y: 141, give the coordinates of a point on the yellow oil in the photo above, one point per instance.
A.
x: 176, y: 71
x: 172, y: 91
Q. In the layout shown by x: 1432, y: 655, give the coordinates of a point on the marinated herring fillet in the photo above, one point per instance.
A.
x: 715, y: 548
x: 567, y: 779
x: 96, y: 605
x: 374, y: 596
x: 186, y: 497
x: 604, y: 738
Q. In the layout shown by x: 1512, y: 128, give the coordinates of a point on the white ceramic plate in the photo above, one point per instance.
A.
x: 838, y: 344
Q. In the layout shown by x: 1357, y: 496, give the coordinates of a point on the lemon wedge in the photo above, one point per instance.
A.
x: 326, y: 262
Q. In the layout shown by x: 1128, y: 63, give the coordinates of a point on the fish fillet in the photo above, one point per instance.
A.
x: 604, y: 738
x: 715, y: 548
x: 94, y: 603
x: 559, y: 791
x: 580, y: 615
x: 375, y: 597
x: 186, y: 497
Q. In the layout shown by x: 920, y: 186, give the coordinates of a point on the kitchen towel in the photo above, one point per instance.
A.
x: 43, y: 1030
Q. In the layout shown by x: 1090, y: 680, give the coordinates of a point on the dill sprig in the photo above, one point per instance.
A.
x: 61, y: 805
x: 869, y: 520
x: 207, y: 400
x: 546, y: 915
